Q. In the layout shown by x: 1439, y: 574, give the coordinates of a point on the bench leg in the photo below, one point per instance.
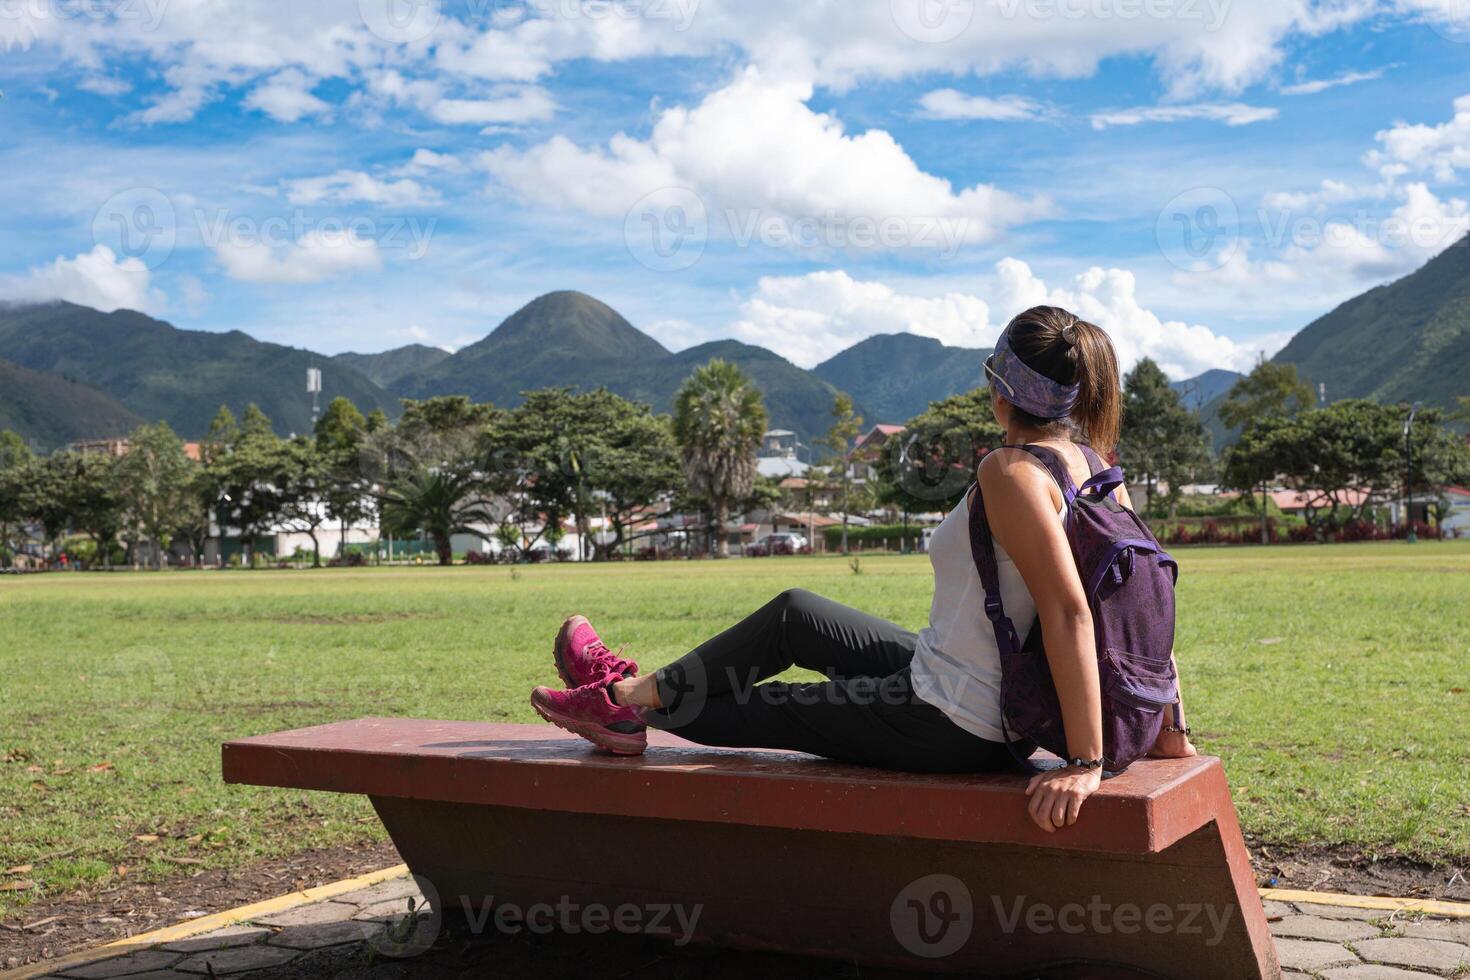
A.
x: 1190, y: 912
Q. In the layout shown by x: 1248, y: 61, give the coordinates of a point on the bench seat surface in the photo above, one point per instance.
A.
x: 1146, y: 809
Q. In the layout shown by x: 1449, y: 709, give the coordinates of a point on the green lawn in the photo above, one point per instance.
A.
x: 1331, y: 679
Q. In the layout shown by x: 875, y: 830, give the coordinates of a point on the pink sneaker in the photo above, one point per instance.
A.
x: 587, y: 711
x: 582, y: 658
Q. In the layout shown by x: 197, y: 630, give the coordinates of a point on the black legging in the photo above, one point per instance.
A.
x: 867, y: 712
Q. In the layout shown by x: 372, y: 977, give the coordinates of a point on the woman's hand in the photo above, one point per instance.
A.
x: 1172, y: 745
x: 1056, y: 796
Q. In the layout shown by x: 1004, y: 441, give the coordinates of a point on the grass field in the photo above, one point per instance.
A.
x: 1333, y: 680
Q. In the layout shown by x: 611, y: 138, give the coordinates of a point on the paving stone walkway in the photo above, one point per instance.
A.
x: 386, y: 932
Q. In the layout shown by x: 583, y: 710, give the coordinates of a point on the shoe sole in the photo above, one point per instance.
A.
x: 558, y: 645
x: 596, y: 734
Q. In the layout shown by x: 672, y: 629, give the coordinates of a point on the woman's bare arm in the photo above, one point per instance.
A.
x: 1021, y: 504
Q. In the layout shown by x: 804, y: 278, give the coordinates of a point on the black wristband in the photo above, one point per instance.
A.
x: 1085, y: 763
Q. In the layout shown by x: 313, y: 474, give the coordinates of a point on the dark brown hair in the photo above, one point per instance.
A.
x: 1069, y: 350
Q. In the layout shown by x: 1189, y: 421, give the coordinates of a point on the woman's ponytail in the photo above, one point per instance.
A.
x: 1070, y: 350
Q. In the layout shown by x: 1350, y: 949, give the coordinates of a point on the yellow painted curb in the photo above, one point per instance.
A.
x: 207, y: 923
x: 270, y: 906
x: 1428, y: 906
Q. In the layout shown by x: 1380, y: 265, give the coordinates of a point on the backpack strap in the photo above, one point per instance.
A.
x: 982, y: 549
x: 1007, y: 641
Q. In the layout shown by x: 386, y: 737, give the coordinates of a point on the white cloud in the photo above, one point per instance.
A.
x: 104, y: 85
x: 1338, y: 81
x: 426, y: 161
x: 314, y: 257
x: 756, y: 149
x: 1438, y: 150
x: 353, y: 186
x: 1229, y: 113
x: 808, y: 318
x: 287, y: 97
x: 96, y: 278
x: 520, y: 105
x: 208, y: 46
x: 1109, y: 298
x: 1329, y: 192
x: 947, y: 103
x: 1322, y: 262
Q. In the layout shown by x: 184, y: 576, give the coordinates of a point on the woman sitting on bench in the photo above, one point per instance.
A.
x: 926, y: 701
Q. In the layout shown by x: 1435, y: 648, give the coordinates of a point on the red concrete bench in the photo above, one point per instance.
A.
x: 781, y: 851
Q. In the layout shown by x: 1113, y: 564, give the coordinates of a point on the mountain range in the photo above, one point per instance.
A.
x: 70, y: 372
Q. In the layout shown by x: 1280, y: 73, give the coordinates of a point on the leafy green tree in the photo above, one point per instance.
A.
x: 340, y: 435
x: 86, y: 495
x: 1271, y: 392
x: 1162, y: 441
x: 426, y: 471
x: 931, y: 464
x: 1348, y: 457
x: 562, y: 453
x: 156, y: 475
x: 439, y: 502
x: 719, y: 419
x: 16, y: 465
x: 250, y: 469
x: 305, y: 484
x: 847, y: 425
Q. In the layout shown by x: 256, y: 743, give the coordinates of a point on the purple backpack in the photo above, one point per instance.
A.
x: 1129, y: 581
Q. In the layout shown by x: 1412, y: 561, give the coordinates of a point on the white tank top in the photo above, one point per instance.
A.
x: 956, y: 665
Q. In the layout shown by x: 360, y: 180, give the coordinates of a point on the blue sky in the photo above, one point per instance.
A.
x: 1201, y: 177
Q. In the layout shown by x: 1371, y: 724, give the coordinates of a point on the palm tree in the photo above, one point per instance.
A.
x: 440, y: 501
x: 718, y: 422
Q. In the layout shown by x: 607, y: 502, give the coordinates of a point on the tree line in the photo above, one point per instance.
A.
x: 448, y: 466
